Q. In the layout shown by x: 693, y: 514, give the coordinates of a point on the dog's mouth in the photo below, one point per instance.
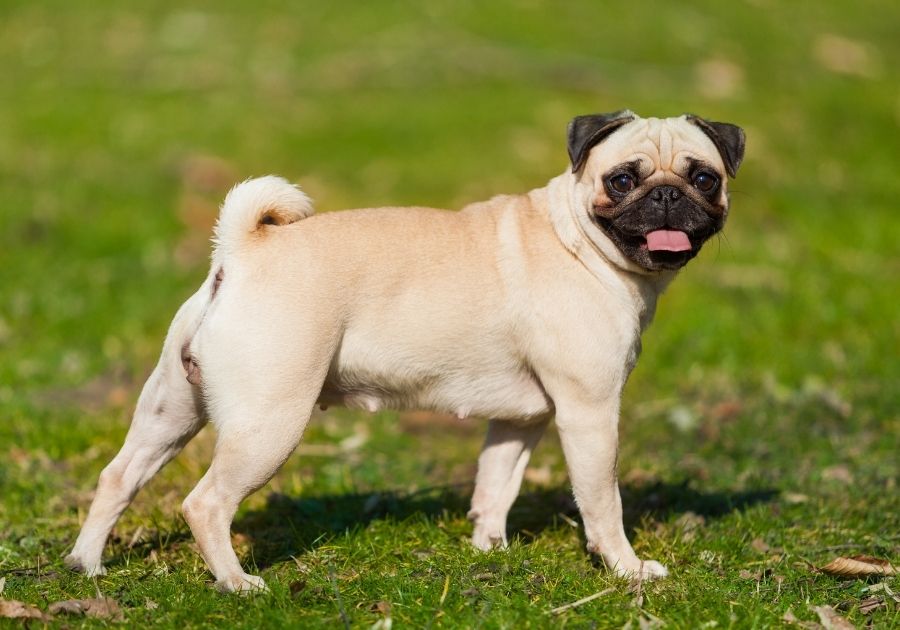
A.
x: 663, y: 239
x: 661, y: 247
x: 667, y: 241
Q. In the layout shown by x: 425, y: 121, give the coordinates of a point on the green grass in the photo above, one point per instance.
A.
x: 759, y: 431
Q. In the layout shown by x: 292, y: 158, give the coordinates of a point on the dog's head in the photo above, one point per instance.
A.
x: 656, y: 187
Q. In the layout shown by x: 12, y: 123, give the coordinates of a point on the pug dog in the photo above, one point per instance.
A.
x: 516, y: 309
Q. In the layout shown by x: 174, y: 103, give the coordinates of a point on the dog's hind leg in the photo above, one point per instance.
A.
x: 168, y: 414
x: 501, y: 466
x: 260, y: 391
x: 254, y: 441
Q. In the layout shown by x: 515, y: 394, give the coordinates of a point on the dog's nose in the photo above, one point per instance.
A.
x: 667, y: 193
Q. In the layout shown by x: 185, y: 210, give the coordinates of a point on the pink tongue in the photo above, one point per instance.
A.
x: 668, y: 241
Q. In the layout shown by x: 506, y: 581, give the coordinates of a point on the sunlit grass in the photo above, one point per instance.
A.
x: 759, y: 429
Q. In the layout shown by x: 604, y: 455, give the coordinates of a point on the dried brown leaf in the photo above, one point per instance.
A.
x: 759, y: 545
x: 100, y: 608
x: 871, y: 604
x: 859, y: 566
x: 12, y: 609
x: 831, y: 620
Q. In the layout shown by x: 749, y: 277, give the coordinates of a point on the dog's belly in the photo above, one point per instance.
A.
x: 501, y: 394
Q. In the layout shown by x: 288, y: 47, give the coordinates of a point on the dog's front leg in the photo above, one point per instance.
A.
x: 589, y: 435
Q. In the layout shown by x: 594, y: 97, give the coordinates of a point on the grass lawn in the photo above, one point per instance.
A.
x: 759, y: 430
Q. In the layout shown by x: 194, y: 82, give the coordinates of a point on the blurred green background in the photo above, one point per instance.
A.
x: 773, y: 361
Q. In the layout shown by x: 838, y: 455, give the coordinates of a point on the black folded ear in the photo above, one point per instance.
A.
x: 587, y: 131
x: 729, y: 140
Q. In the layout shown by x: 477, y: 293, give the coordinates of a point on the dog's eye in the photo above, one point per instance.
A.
x: 622, y: 184
x: 705, y: 182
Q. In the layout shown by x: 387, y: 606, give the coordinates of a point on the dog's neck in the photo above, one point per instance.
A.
x: 566, y: 199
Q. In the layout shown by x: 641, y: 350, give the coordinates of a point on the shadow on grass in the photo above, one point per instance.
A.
x: 291, y: 526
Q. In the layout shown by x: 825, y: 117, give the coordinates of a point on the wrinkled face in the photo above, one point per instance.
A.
x: 658, y: 187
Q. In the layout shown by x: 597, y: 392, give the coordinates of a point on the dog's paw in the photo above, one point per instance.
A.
x: 489, y: 532
x: 647, y: 570
x: 243, y: 583
x: 90, y: 569
x: 485, y: 539
x: 487, y: 536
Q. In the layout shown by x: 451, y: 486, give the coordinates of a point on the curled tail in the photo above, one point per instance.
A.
x: 253, y: 205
